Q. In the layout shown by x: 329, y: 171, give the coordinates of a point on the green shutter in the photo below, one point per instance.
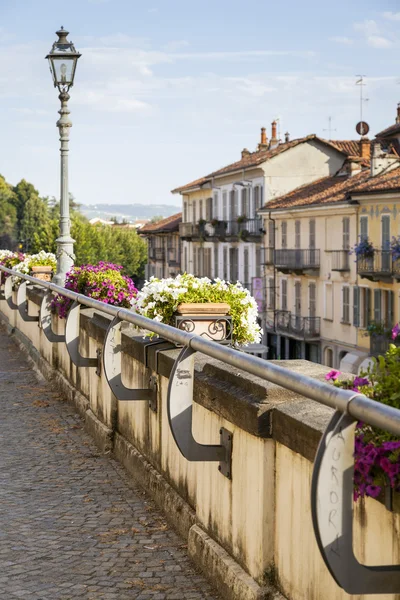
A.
x: 390, y: 315
x: 367, y: 307
x: 356, y: 306
x: 377, y: 306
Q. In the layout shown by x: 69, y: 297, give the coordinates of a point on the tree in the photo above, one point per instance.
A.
x: 23, y: 192
x: 36, y: 230
x: 8, y: 214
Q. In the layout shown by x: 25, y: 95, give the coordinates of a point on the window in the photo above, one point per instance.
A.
x: 271, y: 294
x: 271, y: 234
x: 284, y: 234
x: 312, y: 296
x: 215, y: 210
x: 312, y: 234
x: 246, y: 267
x: 346, y: 304
x: 328, y: 312
x: 297, y: 239
x: 284, y: 302
x: 185, y: 208
x: 386, y: 254
x: 245, y: 204
x: 365, y: 307
x: 195, y: 261
x: 225, y: 262
x: 200, y: 210
x: 200, y: 262
x: 216, y: 260
x: 363, y: 228
x: 194, y: 212
x: 185, y: 260
x: 389, y: 308
x: 329, y: 357
x: 356, y: 306
x: 224, y: 206
x: 346, y: 233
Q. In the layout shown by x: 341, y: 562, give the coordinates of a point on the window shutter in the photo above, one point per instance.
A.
x: 385, y: 232
x: 390, y: 315
x: 225, y: 255
x: 224, y: 206
x: 284, y: 294
x: 297, y: 234
x: 271, y: 234
x: 367, y: 315
x: 356, y: 306
x: 377, y: 306
x: 284, y: 234
x: 346, y: 233
x: 363, y: 228
x: 244, y: 202
x: 194, y: 212
x: 216, y: 260
x: 209, y: 209
x: 215, y: 207
x: 195, y: 261
x: 312, y: 234
x: 258, y: 262
x: 256, y: 198
x: 246, y: 267
x: 312, y: 291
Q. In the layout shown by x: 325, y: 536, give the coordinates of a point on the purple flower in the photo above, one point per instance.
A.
x: 391, y: 445
x: 360, y: 381
x: 395, y: 331
x: 332, y: 375
x: 373, y: 490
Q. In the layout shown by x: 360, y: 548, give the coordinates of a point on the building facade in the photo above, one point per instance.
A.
x: 222, y: 229
x: 163, y: 247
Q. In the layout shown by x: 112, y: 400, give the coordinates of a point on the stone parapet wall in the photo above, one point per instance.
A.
x: 252, y: 534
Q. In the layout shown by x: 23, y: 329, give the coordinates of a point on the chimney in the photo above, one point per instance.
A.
x: 398, y: 113
x: 245, y: 152
x: 263, y: 145
x: 287, y: 137
x: 365, y: 148
x: 274, y: 138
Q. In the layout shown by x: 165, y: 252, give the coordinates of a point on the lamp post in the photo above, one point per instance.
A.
x: 63, y: 58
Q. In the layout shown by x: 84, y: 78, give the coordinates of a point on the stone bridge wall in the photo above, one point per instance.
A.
x: 252, y: 534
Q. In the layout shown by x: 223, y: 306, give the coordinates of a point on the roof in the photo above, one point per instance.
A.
x: 327, y: 190
x: 164, y: 226
x: 392, y: 130
x: 254, y: 159
x: 385, y: 182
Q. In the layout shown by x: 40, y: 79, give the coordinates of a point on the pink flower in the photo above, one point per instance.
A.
x: 395, y: 331
x: 332, y: 375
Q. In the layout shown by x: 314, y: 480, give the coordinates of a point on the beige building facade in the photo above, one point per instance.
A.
x: 163, y: 247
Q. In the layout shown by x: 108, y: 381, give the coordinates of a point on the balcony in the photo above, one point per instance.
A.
x: 379, y: 267
x: 303, y: 328
x: 340, y: 260
x: 267, y: 256
x: 216, y: 230
x: 297, y: 261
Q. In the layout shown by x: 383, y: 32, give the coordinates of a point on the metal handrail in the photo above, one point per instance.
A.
x: 356, y: 405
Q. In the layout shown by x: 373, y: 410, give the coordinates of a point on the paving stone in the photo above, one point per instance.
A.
x: 72, y: 525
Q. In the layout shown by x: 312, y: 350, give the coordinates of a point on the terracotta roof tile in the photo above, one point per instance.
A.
x: 165, y: 225
x: 392, y: 130
x: 327, y: 190
x: 253, y: 159
x: 387, y: 182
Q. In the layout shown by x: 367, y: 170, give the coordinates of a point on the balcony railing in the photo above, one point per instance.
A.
x: 340, y: 260
x: 306, y: 328
x: 219, y: 229
x: 173, y: 257
x: 297, y: 260
x: 267, y: 256
x: 378, y: 266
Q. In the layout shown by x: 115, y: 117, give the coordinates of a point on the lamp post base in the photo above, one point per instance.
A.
x: 65, y: 259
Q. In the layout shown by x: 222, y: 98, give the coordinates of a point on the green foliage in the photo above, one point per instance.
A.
x: 8, y: 212
x: 384, y: 375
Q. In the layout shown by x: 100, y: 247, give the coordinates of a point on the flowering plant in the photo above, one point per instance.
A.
x: 159, y: 299
x: 103, y: 282
x: 43, y: 259
x: 395, y: 247
x: 9, y: 259
x: 376, y: 452
x: 364, y: 248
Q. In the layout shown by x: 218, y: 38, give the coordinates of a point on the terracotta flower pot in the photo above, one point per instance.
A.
x: 43, y: 272
x: 208, y: 319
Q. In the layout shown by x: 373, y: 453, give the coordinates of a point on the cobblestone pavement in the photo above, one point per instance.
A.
x: 71, y: 523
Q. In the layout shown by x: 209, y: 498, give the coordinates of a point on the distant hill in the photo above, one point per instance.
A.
x: 131, y: 212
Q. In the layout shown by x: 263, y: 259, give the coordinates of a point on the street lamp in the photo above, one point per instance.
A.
x: 63, y: 58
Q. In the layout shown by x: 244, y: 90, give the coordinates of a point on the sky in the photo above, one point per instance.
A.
x: 167, y: 91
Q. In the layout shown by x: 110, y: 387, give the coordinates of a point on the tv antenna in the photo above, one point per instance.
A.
x: 329, y: 129
x: 361, y: 84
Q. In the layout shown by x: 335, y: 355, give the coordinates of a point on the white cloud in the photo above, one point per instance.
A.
x: 391, y: 16
x: 377, y: 41
x: 367, y: 27
x: 342, y: 40
x: 175, y: 45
